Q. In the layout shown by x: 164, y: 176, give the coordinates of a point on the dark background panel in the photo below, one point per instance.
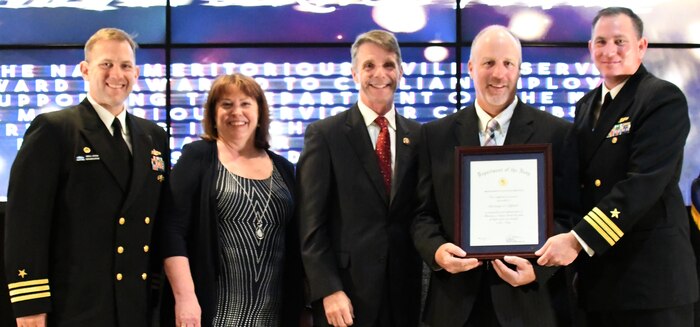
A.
x: 201, y: 22
x: 540, y: 21
x: 46, y: 25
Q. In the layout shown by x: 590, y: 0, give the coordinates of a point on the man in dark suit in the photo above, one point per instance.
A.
x: 638, y: 268
x: 82, y: 199
x: 464, y: 291
x: 357, y: 179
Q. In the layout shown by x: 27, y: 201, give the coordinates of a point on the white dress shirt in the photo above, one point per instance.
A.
x: 373, y: 129
x: 503, y: 120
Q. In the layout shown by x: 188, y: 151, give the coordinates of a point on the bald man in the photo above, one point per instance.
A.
x: 464, y: 291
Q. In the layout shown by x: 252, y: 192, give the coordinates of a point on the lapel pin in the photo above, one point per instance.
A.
x: 406, y: 141
x: 87, y: 150
x: 623, y: 119
x: 160, y: 178
x: 155, y: 152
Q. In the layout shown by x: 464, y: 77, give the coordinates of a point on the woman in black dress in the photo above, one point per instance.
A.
x: 229, y: 237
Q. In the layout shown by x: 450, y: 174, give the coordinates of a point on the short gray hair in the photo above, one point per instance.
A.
x: 382, y: 38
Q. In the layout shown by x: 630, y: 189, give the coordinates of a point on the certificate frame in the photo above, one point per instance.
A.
x: 511, y: 156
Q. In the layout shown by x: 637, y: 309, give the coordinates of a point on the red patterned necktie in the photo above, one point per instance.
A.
x: 383, y: 151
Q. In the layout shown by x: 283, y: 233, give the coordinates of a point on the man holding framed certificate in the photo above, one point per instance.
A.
x: 465, y: 291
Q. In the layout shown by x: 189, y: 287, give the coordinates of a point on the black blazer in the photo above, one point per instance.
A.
x: 190, y: 229
x: 67, y: 218
x: 637, y: 224
x: 353, y: 237
x: 452, y: 296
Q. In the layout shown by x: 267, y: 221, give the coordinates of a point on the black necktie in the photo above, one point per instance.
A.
x: 606, y: 102
x: 123, y: 154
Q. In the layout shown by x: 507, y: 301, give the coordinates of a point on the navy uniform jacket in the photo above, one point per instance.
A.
x: 637, y: 223
x: 353, y: 237
x: 451, y: 297
x: 77, y: 244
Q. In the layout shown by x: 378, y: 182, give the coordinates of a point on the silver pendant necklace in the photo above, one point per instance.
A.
x: 259, y: 233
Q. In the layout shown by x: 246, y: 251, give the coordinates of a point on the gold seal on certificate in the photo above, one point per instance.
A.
x: 503, y: 199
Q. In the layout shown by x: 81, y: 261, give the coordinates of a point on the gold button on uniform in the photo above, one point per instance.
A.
x: 597, y: 182
x: 614, y: 140
x: 122, y: 221
x: 145, y: 248
x: 119, y: 276
x: 120, y: 249
x: 144, y: 276
x: 147, y: 220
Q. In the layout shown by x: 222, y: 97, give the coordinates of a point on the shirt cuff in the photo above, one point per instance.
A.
x: 585, y: 246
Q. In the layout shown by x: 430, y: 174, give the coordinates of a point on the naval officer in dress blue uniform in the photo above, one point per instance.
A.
x: 638, y: 267
x: 83, y: 194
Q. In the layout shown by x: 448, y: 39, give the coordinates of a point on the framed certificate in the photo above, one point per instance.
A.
x: 503, y: 199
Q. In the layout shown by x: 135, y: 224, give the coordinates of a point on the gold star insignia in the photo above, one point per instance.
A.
x: 22, y: 273
x: 160, y: 178
x: 615, y: 213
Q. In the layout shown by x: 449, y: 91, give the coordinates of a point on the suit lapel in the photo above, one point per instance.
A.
x: 404, y: 145
x: 585, y: 125
x: 358, y: 137
x: 99, y: 137
x: 140, y: 149
x: 467, y: 131
x: 585, y: 114
x: 612, y: 114
x: 521, y: 127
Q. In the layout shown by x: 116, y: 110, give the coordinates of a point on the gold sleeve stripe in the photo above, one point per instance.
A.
x: 30, y: 297
x: 610, y: 226
x: 696, y: 216
x: 28, y: 283
x: 29, y: 290
x: 608, y: 221
x: 599, y: 230
x: 603, y: 226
